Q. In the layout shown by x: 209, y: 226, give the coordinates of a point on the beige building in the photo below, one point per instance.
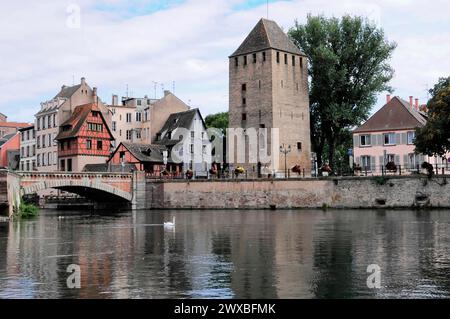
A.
x: 7, y: 128
x: 57, y: 111
x: 137, y: 120
x: 269, y: 89
x: 27, y: 149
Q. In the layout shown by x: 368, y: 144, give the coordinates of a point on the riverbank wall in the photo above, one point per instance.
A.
x: 346, y: 192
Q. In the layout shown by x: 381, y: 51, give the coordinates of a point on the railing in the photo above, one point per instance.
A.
x: 398, y: 170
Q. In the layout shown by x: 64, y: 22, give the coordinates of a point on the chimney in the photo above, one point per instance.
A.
x: 166, y: 92
x: 417, y: 104
x: 63, y: 87
x: 388, y: 98
x: 411, y: 103
x: 94, y: 91
x: 115, y: 100
x: 83, y: 81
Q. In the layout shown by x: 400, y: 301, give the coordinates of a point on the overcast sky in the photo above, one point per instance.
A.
x: 186, y: 42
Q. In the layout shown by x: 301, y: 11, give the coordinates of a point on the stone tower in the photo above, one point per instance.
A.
x: 269, y: 89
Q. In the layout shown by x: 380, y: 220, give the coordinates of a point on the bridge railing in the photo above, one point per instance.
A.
x: 72, y: 175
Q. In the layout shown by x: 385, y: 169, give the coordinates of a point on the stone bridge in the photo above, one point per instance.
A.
x: 104, y: 188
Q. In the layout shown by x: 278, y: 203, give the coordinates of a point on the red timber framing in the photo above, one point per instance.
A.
x: 86, y: 133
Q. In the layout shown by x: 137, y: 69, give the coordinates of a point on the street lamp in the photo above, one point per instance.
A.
x: 285, y: 150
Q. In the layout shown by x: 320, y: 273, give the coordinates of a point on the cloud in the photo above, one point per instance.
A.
x: 186, y: 42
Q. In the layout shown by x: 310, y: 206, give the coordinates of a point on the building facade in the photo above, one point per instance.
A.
x: 269, y: 90
x: 186, y: 138
x: 7, y: 128
x: 27, y: 149
x: 10, y: 151
x: 85, y: 138
x: 57, y: 111
x: 137, y: 120
x: 388, y: 137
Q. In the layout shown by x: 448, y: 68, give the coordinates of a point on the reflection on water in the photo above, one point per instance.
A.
x: 228, y: 254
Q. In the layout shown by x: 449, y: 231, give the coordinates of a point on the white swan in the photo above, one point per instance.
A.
x: 170, y: 224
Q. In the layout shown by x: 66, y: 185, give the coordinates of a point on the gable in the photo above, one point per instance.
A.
x: 395, y: 115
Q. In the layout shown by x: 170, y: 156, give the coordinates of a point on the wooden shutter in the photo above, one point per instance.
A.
x: 358, y: 160
x: 397, y: 139
x: 373, y: 166
x: 405, y: 162
x: 355, y: 141
x: 397, y: 159
x: 404, y: 139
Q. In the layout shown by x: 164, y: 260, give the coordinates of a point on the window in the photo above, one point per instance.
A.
x: 99, y: 145
x: 264, y: 56
x: 259, y: 84
x: 49, y: 121
x: 365, y: 140
x: 95, y: 113
x: 69, y: 165
x: 299, y: 146
x: 285, y: 59
x: 411, y: 137
x: 49, y: 140
x: 192, y: 134
x: 158, y: 136
x: 365, y: 163
x: 203, y: 135
x: 38, y: 124
x: 301, y: 63
x: 293, y: 60
x: 55, y: 159
x: 413, y: 161
x: 128, y: 117
x: 43, y: 141
x: 54, y: 120
x: 28, y: 151
x: 138, y: 117
x: 139, y: 102
x: 50, y: 160
x: 244, y: 116
x: 245, y: 60
x: 244, y: 101
x: 278, y: 57
x: 169, y: 135
x: 282, y: 83
x: 138, y: 133
x: 254, y: 57
x: 128, y: 134
x: 389, y: 139
x: 122, y: 157
x: 236, y: 62
x: 204, y: 149
x: 62, y: 165
x: 244, y: 87
x: 114, y: 124
x: 191, y: 147
x: 89, y: 144
x: 38, y: 159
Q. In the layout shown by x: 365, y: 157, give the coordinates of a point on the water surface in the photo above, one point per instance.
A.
x: 228, y: 254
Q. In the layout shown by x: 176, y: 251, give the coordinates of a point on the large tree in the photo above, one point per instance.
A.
x: 218, y: 120
x: 433, y: 139
x: 348, y: 67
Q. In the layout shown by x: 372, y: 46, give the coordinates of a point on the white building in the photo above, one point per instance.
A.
x: 27, y: 149
x: 185, y: 135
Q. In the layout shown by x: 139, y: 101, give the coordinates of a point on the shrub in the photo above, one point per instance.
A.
x: 27, y: 211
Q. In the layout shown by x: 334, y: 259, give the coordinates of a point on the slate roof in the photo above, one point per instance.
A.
x: 146, y: 152
x: 6, y: 138
x: 77, y: 119
x: 267, y: 35
x: 177, y: 120
x: 67, y: 91
x: 395, y: 115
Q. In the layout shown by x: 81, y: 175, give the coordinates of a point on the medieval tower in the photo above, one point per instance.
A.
x: 269, y: 89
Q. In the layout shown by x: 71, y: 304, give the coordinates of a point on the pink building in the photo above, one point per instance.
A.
x: 10, y: 151
x: 388, y: 136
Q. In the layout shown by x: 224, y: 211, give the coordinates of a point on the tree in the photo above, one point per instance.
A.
x: 348, y: 68
x: 218, y: 120
x: 433, y: 139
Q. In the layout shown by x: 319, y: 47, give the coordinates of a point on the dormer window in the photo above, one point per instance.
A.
x: 158, y: 136
x: 95, y: 113
x: 66, y: 128
x: 169, y: 135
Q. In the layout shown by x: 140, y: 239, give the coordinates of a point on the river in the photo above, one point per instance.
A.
x: 228, y: 254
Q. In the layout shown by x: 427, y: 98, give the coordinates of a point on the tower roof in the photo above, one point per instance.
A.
x: 267, y: 35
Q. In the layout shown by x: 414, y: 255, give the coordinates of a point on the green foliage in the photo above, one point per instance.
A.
x: 433, y: 139
x: 27, y: 211
x: 348, y: 68
x: 219, y: 120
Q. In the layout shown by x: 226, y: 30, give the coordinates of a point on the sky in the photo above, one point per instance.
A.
x: 183, y: 46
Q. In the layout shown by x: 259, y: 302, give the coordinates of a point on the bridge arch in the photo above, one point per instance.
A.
x: 97, y: 185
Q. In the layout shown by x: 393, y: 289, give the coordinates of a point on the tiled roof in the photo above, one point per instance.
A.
x: 267, y: 35
x: 14, y: 124
x: 76, y: 121
x: 395, y: 115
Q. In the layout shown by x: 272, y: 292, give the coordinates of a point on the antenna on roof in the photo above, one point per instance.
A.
x: 173, y: 87
x: 127, y: 91
x: 155, y: 85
